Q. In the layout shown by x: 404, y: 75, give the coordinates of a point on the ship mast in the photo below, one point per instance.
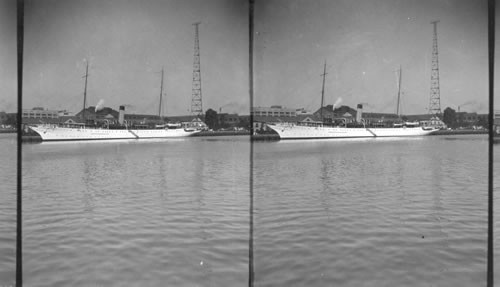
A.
x: 399, y: 90
x: 161, y: 94
x: 85, y: 91
x: 323, y: 92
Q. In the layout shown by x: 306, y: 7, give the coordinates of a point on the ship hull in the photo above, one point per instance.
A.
x: 401, y: 132
x: 48, y: 133
x: 293, y: 131
x: 162, y: 133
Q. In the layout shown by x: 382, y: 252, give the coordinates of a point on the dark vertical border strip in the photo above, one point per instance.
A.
x: 491, y: 118
x: 20, y: 43
x: 250, y: 82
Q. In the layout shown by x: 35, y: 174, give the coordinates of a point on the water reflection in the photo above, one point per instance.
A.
x: 160, y: 212
x: 8, y: 209
x: 410, y: 206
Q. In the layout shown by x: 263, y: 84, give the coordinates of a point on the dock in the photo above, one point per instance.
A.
x: 459, y: 132
x: 265, y: 137
x: 221, y: 133
x: 31, y: 139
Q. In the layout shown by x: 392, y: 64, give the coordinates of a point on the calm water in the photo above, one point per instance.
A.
x: 496, y: 212
x: 377, y: 212
x: 8, y: 173
x: 137, y: 213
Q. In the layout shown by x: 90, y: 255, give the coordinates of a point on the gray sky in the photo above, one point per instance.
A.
x: 8, y: 56
x: 364, y: 43
x: 127, y: 43
x: 497, y: 58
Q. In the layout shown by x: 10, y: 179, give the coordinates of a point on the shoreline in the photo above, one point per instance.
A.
x: 459, y: 132
x: 8, y: 131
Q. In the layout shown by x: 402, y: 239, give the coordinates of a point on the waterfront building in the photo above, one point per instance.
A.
x: 40, y: 113
x: 427, y: 120
x: 244, y: 121
x: 188, y: 121
x: 302, y: 111
x: 380, y: 118
x: 41, y: 121
x: 273, y: 111
x: 70, y: 120
x: 90, y: 114
x: 3, y: 117
x: 465, y: 119
x: 329, y: 113
x: 39, y: 116
x: 65, y: 113
x: 496, y: 122
x: 483, y: 117
x: 52, y: 121
x: 434, y: 122
x: 496, y: 114
x: 462, y: 119
x: 111, y: 116
x: 351, y: 115
x: 142, y: 119
x: 228, y: 120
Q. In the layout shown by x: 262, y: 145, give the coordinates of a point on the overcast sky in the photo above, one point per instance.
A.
x: 364, y: 42
x: 497, y: 58
x: 126, y: 44
x: 8, y: 56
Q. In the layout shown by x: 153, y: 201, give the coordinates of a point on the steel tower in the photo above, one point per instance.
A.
x: 435, y: 98
x: 196, y: 103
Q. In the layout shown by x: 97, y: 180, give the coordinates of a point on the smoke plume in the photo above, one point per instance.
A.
x: 100, y: 105
x: 337, y: 102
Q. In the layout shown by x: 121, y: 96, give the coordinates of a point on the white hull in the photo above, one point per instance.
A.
x: 162, y: 133
x: 51, y: 133
x: 293, y: 131
x: 401, y: 132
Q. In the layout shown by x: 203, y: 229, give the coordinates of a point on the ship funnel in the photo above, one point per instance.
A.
x: 359, y: 113
x: 121, y: 115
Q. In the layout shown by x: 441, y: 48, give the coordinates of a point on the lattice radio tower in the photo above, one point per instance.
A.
x: 435, y: 98
x: 196, y: 103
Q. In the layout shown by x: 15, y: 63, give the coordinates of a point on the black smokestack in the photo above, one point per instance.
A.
x: 359, y: 113
x: 121, y: 115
